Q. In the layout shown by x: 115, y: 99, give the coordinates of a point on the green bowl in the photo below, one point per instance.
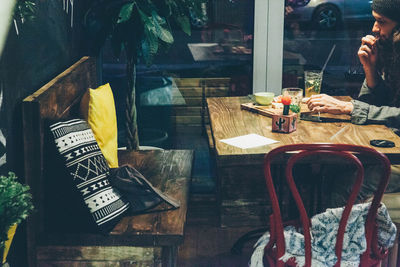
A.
x: 264, y: 98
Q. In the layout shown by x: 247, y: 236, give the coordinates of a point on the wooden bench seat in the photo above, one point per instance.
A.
x: 149, y: 239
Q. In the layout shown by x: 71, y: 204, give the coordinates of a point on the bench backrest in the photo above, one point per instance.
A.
x: 56, y: 100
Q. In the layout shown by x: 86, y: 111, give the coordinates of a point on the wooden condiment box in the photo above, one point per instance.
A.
x: 284, y: 123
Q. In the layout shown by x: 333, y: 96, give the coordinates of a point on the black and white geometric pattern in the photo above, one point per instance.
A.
x: 89, y: 170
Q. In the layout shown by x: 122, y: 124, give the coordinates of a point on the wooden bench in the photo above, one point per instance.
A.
x: 143, y: 240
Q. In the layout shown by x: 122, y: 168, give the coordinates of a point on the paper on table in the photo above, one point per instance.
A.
x: 249, y: 141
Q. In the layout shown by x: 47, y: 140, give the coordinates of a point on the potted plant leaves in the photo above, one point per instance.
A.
x: 15, y: 206
x: 141, y: 29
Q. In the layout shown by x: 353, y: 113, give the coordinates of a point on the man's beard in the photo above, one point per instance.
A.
x: 385, y: 50
x: 389, y: 63
x: 383, y: 44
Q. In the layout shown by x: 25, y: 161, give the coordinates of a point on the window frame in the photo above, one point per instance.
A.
x: 268, y: 46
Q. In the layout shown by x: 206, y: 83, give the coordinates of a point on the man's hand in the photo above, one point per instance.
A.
x: 328, y: 104
x: 368, y: 53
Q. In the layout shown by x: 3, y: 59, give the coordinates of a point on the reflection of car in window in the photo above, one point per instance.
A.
x: 296, y: 3
x: 328, y: 14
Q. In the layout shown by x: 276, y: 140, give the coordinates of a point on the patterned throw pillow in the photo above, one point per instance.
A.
x: 89, y: 171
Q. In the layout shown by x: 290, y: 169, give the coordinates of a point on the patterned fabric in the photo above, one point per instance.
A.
x: 89, y: 170
x: 324, y: 227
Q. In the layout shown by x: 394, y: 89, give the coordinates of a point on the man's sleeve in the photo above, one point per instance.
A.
x: 379, y: 95
x: 366, y: 113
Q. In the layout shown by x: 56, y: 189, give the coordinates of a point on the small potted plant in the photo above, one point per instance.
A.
x: 15, y: 206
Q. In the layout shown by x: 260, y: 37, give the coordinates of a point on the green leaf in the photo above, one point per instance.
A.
x: 152, y: 41
x: 161, y: 32
x: 149, y: 45
x: 295, y: 108
x: 143, y: 16
x: 158, y: 19
x: 184, y: 23
x: 125, y: 13
x: 145, y: 52
x: 165, y: 35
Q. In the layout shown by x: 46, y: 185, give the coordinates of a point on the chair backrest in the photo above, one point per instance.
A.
x: 346, y: 152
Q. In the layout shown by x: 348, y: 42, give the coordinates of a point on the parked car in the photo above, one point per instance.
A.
x: 328, y: 14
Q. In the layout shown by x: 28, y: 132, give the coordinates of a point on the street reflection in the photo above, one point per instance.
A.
x: 306, y: 48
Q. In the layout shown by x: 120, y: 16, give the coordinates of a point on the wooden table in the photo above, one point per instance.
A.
x: 241, y: 187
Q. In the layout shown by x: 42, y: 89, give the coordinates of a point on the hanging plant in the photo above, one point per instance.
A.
x: 68, y: 7
x: 24, y: 11
x: 142, y: 29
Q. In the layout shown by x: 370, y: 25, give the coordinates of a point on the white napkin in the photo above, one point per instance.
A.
x: 249, y: 141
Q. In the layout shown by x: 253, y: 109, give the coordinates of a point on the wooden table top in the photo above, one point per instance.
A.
x: 228, y: 120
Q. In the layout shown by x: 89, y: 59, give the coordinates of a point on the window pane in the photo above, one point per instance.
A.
x: 312, y: 30
x: 215, y: 60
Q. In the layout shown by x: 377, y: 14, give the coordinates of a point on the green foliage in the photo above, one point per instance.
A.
x: 184, y: 23
x: 141, y: 27
x: 25, y: 10
x: 295, y: 108
x: 125, y: 13
x: 15, y: 204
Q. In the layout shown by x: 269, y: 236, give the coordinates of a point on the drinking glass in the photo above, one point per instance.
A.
x: 296, y: 94
x: 312, y: 82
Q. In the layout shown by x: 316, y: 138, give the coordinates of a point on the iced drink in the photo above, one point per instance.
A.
x: 312, y: 81
x: 296, y: 95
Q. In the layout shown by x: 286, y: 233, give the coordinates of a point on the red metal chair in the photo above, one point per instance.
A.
x: 275, y: 249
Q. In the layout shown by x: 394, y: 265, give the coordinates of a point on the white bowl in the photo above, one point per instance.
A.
x: 264, y: 98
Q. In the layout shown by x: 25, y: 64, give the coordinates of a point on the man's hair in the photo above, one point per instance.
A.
x: 387, y: 8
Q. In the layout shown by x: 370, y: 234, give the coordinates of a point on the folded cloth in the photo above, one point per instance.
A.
x: 142, y: 196
x: 324, y: 228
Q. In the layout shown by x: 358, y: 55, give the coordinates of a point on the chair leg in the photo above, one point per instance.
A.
x: 385, y: 261
x: 238, y: 246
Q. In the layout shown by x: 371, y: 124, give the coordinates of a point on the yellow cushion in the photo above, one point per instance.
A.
x: 98, y: 109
